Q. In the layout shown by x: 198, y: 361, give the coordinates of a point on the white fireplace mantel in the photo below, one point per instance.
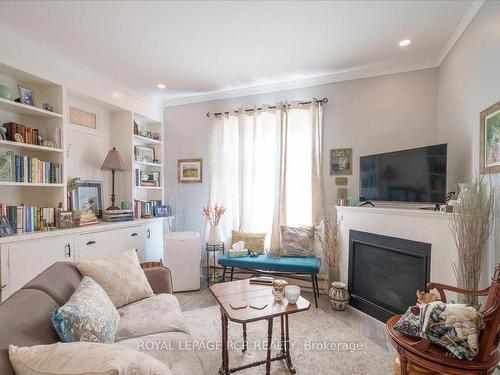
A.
x: 407, y: 223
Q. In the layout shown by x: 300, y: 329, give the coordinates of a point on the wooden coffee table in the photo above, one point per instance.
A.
x: 235, y: 294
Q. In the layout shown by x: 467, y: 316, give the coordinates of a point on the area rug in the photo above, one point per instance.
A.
x: 320, y: 345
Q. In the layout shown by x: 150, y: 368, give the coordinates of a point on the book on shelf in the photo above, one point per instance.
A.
x: 29, y: 169
x: 29, y: 135
x: 84, y: 218
x: 28, y: 218
x: 118, y: 215
x: 147, y: 209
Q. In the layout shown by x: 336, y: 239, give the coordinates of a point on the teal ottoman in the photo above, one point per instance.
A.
x: 287, y: 266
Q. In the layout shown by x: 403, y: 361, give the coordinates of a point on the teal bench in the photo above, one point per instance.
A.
x: 286, y: 266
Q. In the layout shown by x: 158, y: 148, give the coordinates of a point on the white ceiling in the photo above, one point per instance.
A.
x: 209, y: 47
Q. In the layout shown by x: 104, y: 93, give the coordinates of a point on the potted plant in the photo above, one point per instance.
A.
x: 214, y: 215
x: 471, y: 224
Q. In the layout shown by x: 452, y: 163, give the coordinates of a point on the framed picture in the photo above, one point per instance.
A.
x: 65, y: 220
x: 190, y: 170
x: 26, y: 95
x: 5, y: 227
x: 340, y: 180
x: 489, y: 148
x: 7, y: 167
x: 87, y: 196
x: 341, y: 161
x: 145, y: 154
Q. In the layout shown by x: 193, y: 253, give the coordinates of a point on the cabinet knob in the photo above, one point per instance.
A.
x: 90, y: 242
x: 133, y: 234
x: 68, y: 250
x: 3, y: 286
x: 149, y: 233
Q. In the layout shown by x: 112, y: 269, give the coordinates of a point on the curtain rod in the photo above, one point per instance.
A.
x: 324, y: 101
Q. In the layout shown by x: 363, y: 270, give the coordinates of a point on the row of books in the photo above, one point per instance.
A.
x: 28, y: 134
x: 118, y: 215
x: 147, y: 178
x: 146, y: 209
x: 26, y: 218
x: 32, y: 170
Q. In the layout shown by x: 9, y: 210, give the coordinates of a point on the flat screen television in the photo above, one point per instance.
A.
x: 415, y: 175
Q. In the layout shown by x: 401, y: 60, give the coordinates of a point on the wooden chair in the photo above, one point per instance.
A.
x: 421, y: 353
x: 145, y: 265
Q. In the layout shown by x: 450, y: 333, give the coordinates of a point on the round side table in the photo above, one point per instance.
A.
x: 213, y: 249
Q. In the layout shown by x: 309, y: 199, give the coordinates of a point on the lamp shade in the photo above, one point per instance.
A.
x: 113, y: 161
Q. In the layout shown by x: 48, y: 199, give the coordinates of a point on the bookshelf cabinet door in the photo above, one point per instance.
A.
x: 27, y: 259
x: 153, y: 241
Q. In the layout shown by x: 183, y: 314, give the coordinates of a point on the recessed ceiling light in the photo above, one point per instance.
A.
x: 405, y: 43
x: 161, y: 86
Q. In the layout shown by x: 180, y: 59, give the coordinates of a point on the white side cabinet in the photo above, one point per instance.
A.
x: 23, y: 260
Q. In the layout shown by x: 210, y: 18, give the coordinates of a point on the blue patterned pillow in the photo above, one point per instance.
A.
x: 89, y: 315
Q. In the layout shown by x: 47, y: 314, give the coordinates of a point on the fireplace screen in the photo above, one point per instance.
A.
x: 385, y: 273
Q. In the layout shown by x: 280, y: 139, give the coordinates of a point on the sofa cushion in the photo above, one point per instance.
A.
x: 254, y: 242
x: 83, y: 358
x: 89, y: 315
x: 297, y: 241
x: 157, y: 314
x: 176, y: 349
x: 25, y: 320
x: 121, y: 276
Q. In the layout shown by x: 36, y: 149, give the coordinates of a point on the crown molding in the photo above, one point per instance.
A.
x: 466, y: 20
x: 340, y: 76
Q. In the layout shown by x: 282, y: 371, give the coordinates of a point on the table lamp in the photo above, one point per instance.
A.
x: 113, y: 163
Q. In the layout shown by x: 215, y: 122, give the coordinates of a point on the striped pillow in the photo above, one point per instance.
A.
x: 297, y: 241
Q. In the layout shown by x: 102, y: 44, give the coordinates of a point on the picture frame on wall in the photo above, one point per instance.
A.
x: 144, y: 154
x: 341, y: 161
x: 87, y: 196
x: 190, y: 170
x: 26, y: 95
x: 489, y: 148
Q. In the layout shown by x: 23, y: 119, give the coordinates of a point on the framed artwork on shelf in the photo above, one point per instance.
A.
x: 26, y: 96
x: 5, y: 227
x: 489, y: 148
x: 87, y: 196
x: 7, y: 165
x: 65, y: 220
x: 144, y: 154
x: 341, y: 161
x: 190, y: 170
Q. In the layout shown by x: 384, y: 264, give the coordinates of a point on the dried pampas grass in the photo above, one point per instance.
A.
x: 471, y: 225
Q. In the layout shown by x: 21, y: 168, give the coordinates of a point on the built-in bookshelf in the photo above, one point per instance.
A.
x: 50, y: 139
x: 147, y: 175
x: 38, y: 142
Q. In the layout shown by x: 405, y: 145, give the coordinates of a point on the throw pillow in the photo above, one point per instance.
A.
x: 121, y: 276
x: 83, y: 358
x: 89, y: 315
x: 254, y: 242
x: 297, y: 241
x: 409, y: 324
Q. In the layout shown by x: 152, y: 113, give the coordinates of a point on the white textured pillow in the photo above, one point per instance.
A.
x: 83, y: 358
x: 121, y: 277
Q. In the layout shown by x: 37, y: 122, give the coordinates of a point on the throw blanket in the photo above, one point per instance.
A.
x: 454, y: 326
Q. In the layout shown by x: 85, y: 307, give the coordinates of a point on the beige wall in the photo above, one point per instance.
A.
x: 370, y: 115
x: 469, y: 82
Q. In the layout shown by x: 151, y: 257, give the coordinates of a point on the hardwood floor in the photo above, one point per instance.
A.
x: 364, y: 324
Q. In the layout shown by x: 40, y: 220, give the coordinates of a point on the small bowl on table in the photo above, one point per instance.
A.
x: 292, y: 293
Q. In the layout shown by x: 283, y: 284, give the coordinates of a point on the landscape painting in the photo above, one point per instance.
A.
x: 190, y: 170
x: 490, y: 139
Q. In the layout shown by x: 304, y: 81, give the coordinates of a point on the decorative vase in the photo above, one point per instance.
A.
x: 339, y: 296
x: 214, y: 235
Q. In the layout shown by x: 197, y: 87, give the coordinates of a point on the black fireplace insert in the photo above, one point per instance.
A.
x: 385, y: 273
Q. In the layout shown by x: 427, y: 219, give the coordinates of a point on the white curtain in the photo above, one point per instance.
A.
x: 265, y: 168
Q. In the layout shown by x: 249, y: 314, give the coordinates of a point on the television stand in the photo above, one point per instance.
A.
x: 367, y: 203
x: 436, y: 207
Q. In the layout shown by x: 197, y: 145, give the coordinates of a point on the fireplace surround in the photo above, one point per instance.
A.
x: 385, y: 272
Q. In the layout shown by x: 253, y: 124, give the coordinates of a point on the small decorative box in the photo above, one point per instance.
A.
x: 238, y: 253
